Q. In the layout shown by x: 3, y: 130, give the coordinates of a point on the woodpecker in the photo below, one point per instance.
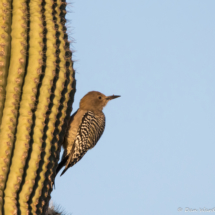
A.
x: 85, y: 128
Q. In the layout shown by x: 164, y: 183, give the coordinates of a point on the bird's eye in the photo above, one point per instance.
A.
x: 100, y: 97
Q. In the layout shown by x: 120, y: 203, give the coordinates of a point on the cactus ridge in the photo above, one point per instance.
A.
x: 15, y: 79
x: 29, y: 95
x: 48, y: 183
x: 44, y: 163
x: 47, y: 86
x: 5, y: 29
x: 66, y: 110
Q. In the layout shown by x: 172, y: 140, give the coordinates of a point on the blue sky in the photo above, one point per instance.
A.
x: 157, y: 151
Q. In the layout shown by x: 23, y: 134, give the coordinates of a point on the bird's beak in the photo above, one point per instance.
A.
x: 111, y: 97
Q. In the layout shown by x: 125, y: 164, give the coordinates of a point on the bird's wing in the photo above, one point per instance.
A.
x: 96, y: 129
x: 89, y: 132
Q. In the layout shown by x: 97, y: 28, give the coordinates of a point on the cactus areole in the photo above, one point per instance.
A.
x: 37, y: 88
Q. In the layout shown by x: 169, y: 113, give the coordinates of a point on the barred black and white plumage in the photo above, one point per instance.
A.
x: 85, y: 129
x: 90, y: 131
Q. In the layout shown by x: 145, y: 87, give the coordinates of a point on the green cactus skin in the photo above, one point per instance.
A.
x: 14, y: 83
x: 62, y: 127
x: 47, y: 188
x: 52, y: 131
x: 5, y: 28
x: 42, y: 114
x: 54, y: 118
x: 27, y: 104
x: 64, y: 109
x: 39, y: 94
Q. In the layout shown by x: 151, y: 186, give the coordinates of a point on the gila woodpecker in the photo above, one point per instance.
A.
x: 85, y: 128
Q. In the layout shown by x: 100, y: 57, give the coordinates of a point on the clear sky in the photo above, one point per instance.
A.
x: 158, y: 149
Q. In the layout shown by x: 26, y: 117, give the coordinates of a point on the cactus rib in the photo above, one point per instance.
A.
x: 27, y: 104
x: 5, y: 28
x: 41, y: 113
x: 66, y: 109
x: 13, y: 89
x: 52, y: 132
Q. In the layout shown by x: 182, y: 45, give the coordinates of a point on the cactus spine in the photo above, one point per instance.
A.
x: 39, y: 94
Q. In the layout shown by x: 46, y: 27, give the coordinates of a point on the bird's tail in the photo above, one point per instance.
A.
x: 64, y: 171
x: 61, y: 165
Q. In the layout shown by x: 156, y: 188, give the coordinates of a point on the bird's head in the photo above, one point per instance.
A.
x: 95, y: 101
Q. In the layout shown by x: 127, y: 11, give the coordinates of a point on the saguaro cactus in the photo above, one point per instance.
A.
x: 37, y: 87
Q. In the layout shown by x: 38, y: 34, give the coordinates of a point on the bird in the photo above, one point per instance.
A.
x: 84, y: 130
